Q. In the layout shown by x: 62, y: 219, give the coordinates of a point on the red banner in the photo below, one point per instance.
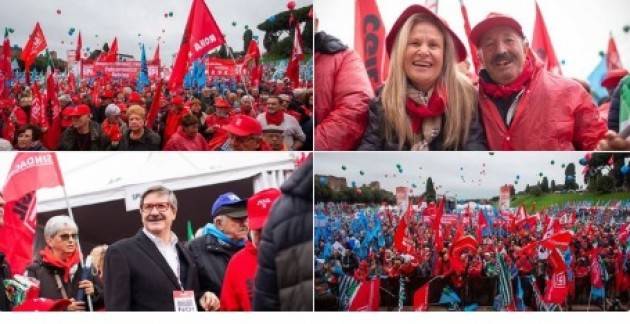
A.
x: 217, y: 67
x: 29, y: 172
x: 369, y: 41
x: 117, y: 70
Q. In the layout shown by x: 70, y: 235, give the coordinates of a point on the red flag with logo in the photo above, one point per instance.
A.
x: 155, y: 105
x: 31, y: 171
x: 541, y: 44
x: 52, y: 114
x: 557, y: 288
x: 35, y: 44
x: 366, y: 297
x: 293, y: 68
x: 421, y: 298
x: 612, y: 55
x: 400, y: 235
x: 201, y: 35
x: 18, y: 232
x: 467, y: 29
x: 369, y: 41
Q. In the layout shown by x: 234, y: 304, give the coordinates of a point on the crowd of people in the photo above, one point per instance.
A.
x: 430, y: 100
x: 108, y: 114
x: 241, y: 260
x: 361, y: 243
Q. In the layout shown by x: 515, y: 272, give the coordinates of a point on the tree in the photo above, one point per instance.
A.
x: 553, y: 185
x: 536, y: 191
x: 605, y: 184
x: 429, y: 193
x: 527, y: 189
x: 248, y: 35
x: 569, y: 177
x: 512, y: 191
x: 105, y: 47
x: 544, y: 186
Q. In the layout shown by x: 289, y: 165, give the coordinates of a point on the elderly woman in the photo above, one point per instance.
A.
x: 425, y: 104
x: 138, y: 137
x: 58, y: 267
x: 113, y: 126
x: 27, y: 138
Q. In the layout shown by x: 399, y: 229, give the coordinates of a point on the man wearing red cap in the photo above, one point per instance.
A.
x: 523, y: 106
x: 238, y: 284
x: 215, y: 122
x: 245, y: 134
x: 173, y: 117
x: 85, y: 134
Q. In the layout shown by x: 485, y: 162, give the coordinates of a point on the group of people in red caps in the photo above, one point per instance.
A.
x: 588, y: 247
x: 107, y: 114
x: 429, y: 101
x: 236, y: 262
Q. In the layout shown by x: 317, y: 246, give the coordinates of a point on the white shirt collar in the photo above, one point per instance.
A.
x: 156, y: 240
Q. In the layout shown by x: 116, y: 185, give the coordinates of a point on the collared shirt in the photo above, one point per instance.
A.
x: 168, y: 251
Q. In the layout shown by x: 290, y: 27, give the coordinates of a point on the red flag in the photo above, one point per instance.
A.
x: 155, y: 105
x: 541, y: 44
x: 557, y: 288
x: 31, y: 171
x: 253, y: 53
x: 38, y: 110
x: 400, y: 239
x: 465, y: 243
x: 6, y: 73
x: 421, y: 298
x: 561, y: 239
x: 35, y: 44
x: 78, y: 50
x: 200, y: 36
x: 112, y: 55
x: 293, y: 68
x: 18, y: 232
x: 52, y: 115
x: 596, y: 271
x: 556, y: 261
x: 467, y: 29
x: 369, y: 41
x: 366, y: 297
x: 156, y: 55
x: 439, y: 210
x: 612, y: 55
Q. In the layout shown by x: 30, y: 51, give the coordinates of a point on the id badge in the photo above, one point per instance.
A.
x: 184, y: 301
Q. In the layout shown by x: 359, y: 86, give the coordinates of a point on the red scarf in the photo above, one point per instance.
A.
x: 418, y: 112
x: 276, y: 118
x: 49, y: 257
x: 504, y: 91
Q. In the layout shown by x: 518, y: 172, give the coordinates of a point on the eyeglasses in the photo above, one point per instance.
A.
x: 161, y: 207
x: 66, y: 237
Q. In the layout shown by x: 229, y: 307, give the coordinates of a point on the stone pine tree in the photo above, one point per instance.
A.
x: 544, y: 186
x: 429, y: 193
x: 553, y: 185
x: 569, y: 177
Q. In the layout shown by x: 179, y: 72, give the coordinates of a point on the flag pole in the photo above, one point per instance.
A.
x: 234, y: 60
x: 65, y: 196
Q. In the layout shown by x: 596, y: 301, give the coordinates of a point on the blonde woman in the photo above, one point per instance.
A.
x: 425, y: 104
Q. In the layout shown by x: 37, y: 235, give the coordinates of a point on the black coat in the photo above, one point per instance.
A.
x: 284, y: 280
x: 211, y: 258
x: 613, y: 113
x: 138, y: 278
x: 98, y: 140
x: 5, y: 273
x: 374, y: 136
x: 150, y: 141
x: 45, y: 273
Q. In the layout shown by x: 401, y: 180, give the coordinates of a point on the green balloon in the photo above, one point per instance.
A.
x: 553, y: 162
x: 540, y: 174
x: 343, y: 167
x: 361, y: 172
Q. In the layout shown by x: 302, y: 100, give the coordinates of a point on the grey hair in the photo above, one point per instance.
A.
x: 247, y: 97
x: 58, y: 223
x: 162, y: 191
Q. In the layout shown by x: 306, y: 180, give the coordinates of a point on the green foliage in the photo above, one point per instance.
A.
x: 605, y: 184
x: 429, y: 193
x: 544, y: 186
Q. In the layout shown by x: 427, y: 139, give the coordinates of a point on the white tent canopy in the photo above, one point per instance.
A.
x: 92, y: 178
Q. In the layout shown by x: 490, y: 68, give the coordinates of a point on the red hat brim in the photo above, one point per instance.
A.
x: 493, y: 20
x: 612, y: 78
x: 419, y: 9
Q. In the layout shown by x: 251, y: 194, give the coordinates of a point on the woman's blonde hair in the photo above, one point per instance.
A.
x: 460, y: 99
x: 98, y: 259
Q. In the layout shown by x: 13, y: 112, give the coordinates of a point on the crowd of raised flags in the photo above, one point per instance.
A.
x: 382, y: 257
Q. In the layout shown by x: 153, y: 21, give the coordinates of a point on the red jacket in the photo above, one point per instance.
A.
x: 343, y: 93
x: 180, y: 142
x: 237, y: 290
x: 553, y: 114
x: 173, y: 120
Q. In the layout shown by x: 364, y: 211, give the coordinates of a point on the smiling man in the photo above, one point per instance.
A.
x: 523, y: 106
x: 150, y: 271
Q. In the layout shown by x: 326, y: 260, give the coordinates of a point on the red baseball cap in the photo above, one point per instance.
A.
x: 221, y: 103
x: 134, y: 97
x: 177, y: 100
x: 259, y: 205
x: 612, y: 78
x: 419, y: 9
x: 43, y: 305
x: 108, y: 94
x: 243, y: 125
x: 79, y: 110
x: 494, y: 20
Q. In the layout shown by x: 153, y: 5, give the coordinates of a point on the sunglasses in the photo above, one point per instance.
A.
x: 161, y: 207
x: 66, y: 237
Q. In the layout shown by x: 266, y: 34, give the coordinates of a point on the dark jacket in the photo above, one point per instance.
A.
x: 211, y: 257
x: 138, y: 278
x: 150, y: 141
x: 284, y: 280
x: 45, y: 273
x: 613, y: 113
x: 374, y: 137
x: 5, y: 273
x: 98, y: 140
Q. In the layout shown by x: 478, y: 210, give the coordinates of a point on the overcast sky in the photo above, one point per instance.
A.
x: 579, y: 29
x: 126, y: 19
x: 445, y: 168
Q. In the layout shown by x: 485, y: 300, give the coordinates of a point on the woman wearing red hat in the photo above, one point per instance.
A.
x: 425, y: 104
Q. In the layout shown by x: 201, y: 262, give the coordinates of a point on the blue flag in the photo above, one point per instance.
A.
x: 595, y: 80
x: 449, y: 296
x: 143, y: 77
